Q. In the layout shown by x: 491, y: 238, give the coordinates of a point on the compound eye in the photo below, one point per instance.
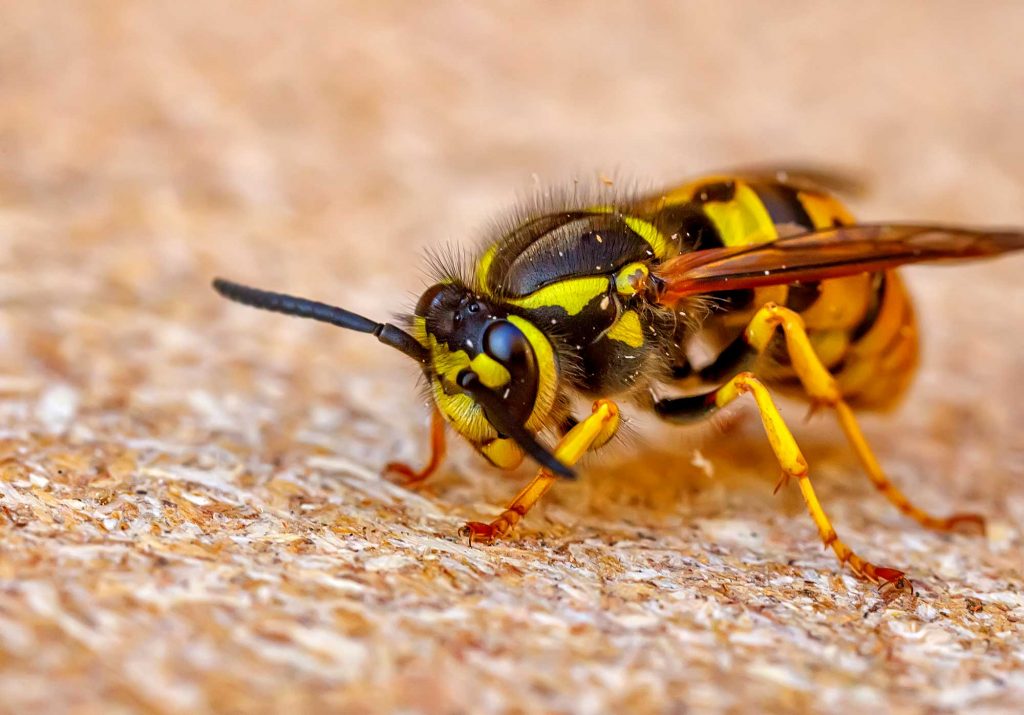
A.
x: 505, y: 342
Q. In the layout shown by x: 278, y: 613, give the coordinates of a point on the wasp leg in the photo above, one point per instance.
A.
x: 592, y: 432
x: 822, y: 388
x: 789, y: 456
x: 412, y: 476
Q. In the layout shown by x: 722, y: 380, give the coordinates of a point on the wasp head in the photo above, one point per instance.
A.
x: 491, y: 373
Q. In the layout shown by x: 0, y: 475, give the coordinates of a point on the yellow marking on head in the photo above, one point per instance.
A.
x: 463, y: 413
x: 572, y: 295
x: 743, y: 220
x: 419, y: 331
x: 459, y: 409
x: 631, y: 279
x: 627, y: 330
x: 824, y: 210
x: 547, y: 372
x: 447, y: 363
x: 502, y: 453
x: 492, y: 373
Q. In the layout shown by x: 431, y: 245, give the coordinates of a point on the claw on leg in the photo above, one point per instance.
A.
x: 894, y: 579
x: 885, y: 577
x: 489, y: 533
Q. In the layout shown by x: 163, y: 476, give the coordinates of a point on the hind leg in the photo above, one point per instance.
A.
x: 790, y: 458
x: 822, y: 389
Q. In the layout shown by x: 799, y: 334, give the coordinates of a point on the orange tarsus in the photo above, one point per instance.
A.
x: 969, y: 523
x: 487, y: 533
x: 477, y: 530
x: 895, y: 579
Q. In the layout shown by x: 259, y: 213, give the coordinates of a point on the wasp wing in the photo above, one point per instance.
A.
x: 806, y: 177
x: 829, y: 253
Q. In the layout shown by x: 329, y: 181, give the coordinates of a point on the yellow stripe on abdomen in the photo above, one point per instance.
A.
x: 880, y: 365
x: 743, y: 219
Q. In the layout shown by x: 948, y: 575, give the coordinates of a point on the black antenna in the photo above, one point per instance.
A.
x: 304, y: 308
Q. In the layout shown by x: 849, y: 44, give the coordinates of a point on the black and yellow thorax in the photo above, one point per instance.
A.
x: 583, y: 277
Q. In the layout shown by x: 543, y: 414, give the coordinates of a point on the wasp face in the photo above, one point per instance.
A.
x: 486, y: 369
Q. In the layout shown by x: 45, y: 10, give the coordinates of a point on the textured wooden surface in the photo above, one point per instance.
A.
x: 191, y: 516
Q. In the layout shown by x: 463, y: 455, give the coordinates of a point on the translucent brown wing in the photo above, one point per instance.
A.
x: 830, y: 253
x: 807, y: 177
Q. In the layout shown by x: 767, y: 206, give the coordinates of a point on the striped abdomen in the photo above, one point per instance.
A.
x: 862, y: 327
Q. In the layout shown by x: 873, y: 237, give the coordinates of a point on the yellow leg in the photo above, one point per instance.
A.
x: 412, y: 476
x: 822, y: 388
x: 592, y: 432
x: 794, y: 465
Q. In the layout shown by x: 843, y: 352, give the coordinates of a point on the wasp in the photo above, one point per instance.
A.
x: 725, y: 286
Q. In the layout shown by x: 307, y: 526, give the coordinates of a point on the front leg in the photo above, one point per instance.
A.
x: 591, y: 433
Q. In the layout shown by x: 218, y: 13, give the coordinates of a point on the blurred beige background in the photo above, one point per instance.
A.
x: 190, y: 512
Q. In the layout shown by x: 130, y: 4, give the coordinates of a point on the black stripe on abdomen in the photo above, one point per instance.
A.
x: 878, y: 285
x: 783, y: 205
x: 693, y: 226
